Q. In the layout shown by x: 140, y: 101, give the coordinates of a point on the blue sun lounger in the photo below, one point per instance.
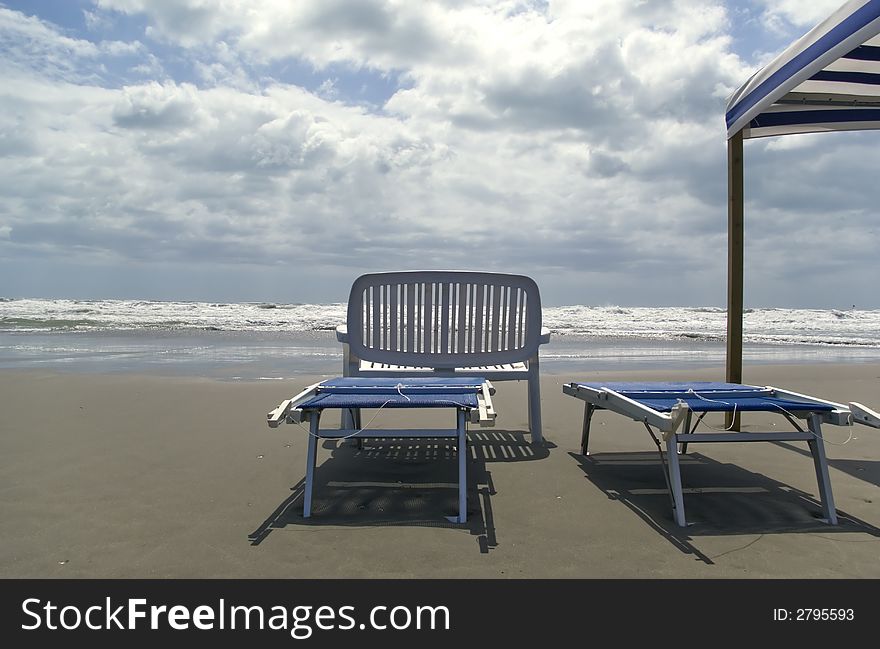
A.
x: 669, y: 408
x: 470, y: 397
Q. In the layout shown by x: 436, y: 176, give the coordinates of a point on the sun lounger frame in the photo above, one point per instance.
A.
x: 298, y: 410
x: 677, y: 427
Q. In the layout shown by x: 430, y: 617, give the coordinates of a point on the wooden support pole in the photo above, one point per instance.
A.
x: 734, y: 264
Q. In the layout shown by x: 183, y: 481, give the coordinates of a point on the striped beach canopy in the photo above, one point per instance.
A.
x: 828, y: 80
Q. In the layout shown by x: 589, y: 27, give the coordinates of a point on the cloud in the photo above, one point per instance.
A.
x: 188, y: 21
x: 31, y: 46
x: 165, y: 107
x: 28, y: 42
x: 567, y: 140
x: 96, y: 21
x: 780, y: 14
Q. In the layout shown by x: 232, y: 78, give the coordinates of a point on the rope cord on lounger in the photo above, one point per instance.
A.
x: 726, y: 403
x: 791, y: 419
x: 786, y: 414
x: 399, y: 388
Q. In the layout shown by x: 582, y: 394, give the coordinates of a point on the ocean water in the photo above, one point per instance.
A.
x: 274, y: 341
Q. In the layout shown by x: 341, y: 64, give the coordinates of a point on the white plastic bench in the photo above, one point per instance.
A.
x: 445, y: 323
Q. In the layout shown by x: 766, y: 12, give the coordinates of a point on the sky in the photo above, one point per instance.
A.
x: 269, y: 150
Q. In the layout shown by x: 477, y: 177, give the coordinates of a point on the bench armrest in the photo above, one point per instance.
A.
x: 545, y: 336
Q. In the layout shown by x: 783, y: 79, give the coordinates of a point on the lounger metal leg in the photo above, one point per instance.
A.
x: 675, y: 479
x: 589, y: 409
x: 686, y: 428
x: 462, y: 470
x: 311, y: 459
x: 817, y: 448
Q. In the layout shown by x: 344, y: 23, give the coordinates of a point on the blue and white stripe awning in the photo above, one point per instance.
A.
x: 828, y: 80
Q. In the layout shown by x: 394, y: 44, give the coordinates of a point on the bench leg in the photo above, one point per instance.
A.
x: 351, y: 417
x: 817, y: 449
x: 311, y: 460
x: 535, y: 402
x: 675, y: 479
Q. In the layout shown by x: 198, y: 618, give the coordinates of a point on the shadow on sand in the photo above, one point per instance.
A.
x: 719, y: 499
x: 404, y: 482
x: 864, y: 470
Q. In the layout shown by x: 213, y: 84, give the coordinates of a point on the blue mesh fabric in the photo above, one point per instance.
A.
x: 422, y: 400
x: 427, y: 392
x: 707, y: 397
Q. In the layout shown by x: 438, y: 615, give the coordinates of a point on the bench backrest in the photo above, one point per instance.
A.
x: 444, y: 319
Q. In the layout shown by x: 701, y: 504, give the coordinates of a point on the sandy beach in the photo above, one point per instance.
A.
x: 143, y: 476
